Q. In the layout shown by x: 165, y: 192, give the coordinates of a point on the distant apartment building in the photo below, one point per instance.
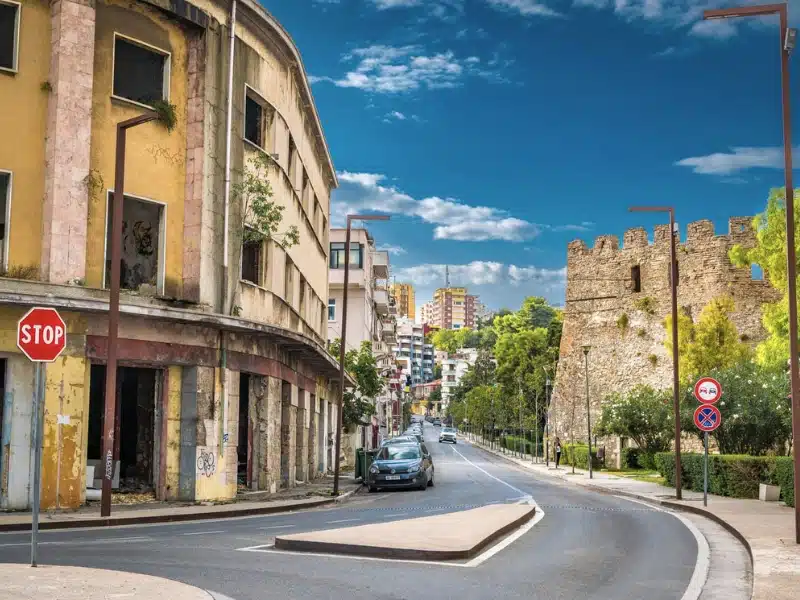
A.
x: 451, y: 308
x: 426, y: 313
x: 453, y: 369
x: 413, y: 355
x: 404, y: 295
x: 483, y: 312
x: 370, y: 308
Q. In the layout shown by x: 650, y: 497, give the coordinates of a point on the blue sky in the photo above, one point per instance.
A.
x: 496, y: 131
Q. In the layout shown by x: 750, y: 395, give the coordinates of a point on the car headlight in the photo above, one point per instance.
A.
x: 373, y: 469
x: 413, y: 469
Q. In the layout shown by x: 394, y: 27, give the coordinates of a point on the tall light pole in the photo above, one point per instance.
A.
x: 787, y: 41
x: 673, y: 284
x: 110, y: 401
x: 343, y: 341
x: 588, y: 413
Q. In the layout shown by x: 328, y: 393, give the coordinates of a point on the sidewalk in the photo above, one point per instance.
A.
x: 312, y: 495
x: 46, y: 582
x: 765, y: 528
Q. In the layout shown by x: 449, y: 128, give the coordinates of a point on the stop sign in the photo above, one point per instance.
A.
x: 41, y: 334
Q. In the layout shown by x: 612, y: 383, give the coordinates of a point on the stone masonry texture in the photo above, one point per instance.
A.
x: 625, y: 328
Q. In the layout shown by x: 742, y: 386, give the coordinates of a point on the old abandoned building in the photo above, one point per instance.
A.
x: 224, y: 380
x: 616, y: 303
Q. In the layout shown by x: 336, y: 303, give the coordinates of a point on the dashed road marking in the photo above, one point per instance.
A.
x: 203, y: 532
x: 341, y: 521
x: 289, y: 526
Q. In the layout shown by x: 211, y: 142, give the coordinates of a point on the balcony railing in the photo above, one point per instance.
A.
x: 381, y: 298
x: 380, y: 264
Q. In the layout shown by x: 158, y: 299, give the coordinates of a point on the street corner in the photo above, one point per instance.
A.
x: 453, y: 536
x: 44, y: 582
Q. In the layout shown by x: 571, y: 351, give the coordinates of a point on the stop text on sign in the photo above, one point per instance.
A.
x: 41, y: 334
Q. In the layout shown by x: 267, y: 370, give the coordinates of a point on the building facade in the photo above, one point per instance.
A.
x: 406, y: 303
x: 224, y: 380
x: 426, y: 313
x: 454, y: 367
x: 617, y: 299
x: 451, y: 308
x: 413, y: 355
x: 371, y: 311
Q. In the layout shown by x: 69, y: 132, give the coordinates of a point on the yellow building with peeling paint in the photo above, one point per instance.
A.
x: 224, y: 382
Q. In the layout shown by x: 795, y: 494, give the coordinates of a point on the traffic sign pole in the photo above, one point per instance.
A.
x: 705, y: 471
x: 38, y: 435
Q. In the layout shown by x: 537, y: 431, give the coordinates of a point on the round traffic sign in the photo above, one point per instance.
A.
x: 707, y: 390
x: 41, y: 334
x: 707, y: 417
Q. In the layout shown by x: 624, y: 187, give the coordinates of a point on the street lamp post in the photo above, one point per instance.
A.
x: 787, y: 42
x: 110, y: 401
x: 673, y: 281
x: 588, y: 413
x: 343, y: 341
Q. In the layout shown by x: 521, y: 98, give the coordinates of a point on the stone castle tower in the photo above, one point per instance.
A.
x: 617, y: 300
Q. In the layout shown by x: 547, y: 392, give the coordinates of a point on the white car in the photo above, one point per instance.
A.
x: 448, y: 434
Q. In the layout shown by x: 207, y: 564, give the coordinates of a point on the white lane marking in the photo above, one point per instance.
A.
x: 203, y: 532
x: 497, y: 479
x: 81, y: 542
x: 396, y: 514
x: 278, y: 527
x: 701, y: 566
x: 341, y: 521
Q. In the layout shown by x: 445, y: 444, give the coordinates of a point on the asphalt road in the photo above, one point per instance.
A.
x: 587, y: 546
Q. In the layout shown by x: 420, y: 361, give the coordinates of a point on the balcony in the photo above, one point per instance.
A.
x: 381, y: 298
x: 389, y: 331
x: 380, y: 264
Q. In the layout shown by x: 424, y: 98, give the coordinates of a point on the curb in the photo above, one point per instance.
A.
x: 402, y: 553
x: 174, y: 518
x: 666, y: 503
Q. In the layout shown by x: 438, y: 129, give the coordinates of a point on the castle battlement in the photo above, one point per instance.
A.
x: 698, y: 233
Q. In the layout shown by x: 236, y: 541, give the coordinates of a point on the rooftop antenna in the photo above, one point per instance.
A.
x: 447, y: 276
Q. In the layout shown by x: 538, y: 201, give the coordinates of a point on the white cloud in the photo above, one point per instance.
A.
x: 527, y: 8
x: 396, y: 250
x: 480, y: 272
x: 396, y: 69
x: 720, y: 29
x: 738, y: 159
x: 384, y: 4
x: 396, y: 115
x: 453, y: 220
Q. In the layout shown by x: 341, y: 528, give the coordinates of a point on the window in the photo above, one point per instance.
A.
x: 142, y: 243
x: 305, y: 192
x: 302, y: 296
x: 253, y: 121
x: 251, y: 261
x: 288, y: 281
x: 322, y: 317
x: 331, y: 309
x: 5, y: 213
x: 636, y: 278
x: 141, y: 72
x: 337, y: 255
x: 290, y: 164
x: 9, y: 34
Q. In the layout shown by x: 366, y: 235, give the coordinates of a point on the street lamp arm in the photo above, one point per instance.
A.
x: 743, y: 11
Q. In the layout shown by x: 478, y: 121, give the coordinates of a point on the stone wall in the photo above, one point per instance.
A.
x: 625, y: 327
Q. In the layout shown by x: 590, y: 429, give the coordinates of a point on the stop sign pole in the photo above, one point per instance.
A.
x: 42, y: 337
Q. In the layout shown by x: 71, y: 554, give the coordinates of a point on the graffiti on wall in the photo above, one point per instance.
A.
x: 206, y: 463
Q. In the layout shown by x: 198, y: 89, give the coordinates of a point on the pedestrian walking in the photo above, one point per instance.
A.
x: 558, y: 451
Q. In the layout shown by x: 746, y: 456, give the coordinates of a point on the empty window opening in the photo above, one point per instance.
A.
x: 244, y: 442
x: 136, y: 439
x: 756, y: 272
x: 289, y: 281
x: 302, y: 307
x: 5, y: 213
x: 9, y: 34
x: 291, y: 160
x: 251, y: 261
x: 141, y: 72
x: 253, y: 121
x: 331, y: 309
x: 142, y: 244
x: 636, y: 278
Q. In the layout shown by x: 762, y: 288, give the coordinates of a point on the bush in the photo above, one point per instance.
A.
x: 516, y: 443
x: 578, y: 454
x: 636, y: 458
x: 733, y: 475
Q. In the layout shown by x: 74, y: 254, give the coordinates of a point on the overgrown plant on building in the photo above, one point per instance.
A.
x: 260, y: 217
x: 359, y: 402
x: 646, y: 304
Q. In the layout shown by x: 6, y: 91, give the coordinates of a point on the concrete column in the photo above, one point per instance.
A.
x: 212, y: 461
x: 188, y: 435
x: 288, y: 434
x: 313, y: 438
x: 270, y: 418
x: 301, y: 441
x: 230, y: 437
x: 67, y: 150
x: 16, y: 452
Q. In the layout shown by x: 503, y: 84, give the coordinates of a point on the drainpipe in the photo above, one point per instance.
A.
x: 225, y: 300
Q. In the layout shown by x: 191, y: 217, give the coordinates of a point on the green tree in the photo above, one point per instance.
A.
x: 437, y: 372
x: 445, y: 339
x: 756, y: 411
x: 642, y: 414
x: 712, y: 342
x: 770, y: 254
x: 436, y: 395
x: 359, y: 402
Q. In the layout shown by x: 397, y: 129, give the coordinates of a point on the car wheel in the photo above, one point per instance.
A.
x: 455, y: 442
x: 430, y: 481
x: 372, y: 489
x: 440, y: 441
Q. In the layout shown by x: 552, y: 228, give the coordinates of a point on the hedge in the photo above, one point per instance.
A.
x: 517, y: 443
x: 578, y: 454
x: 734, y: 475
x: 636, y: 458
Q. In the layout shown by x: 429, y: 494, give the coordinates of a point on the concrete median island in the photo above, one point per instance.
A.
x: 451, y: 536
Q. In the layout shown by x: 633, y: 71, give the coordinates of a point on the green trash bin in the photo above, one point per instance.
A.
x: 360, y: 470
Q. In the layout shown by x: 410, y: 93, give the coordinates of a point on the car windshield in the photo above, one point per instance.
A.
x: 448, y: 430
x: 398, y: 452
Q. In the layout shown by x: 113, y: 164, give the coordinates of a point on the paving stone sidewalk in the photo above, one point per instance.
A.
x: 765, y: 528
x: 301, y: 497
x: 48, y: 582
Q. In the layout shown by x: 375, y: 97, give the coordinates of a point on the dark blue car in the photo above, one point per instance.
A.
x: 401, y: 466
